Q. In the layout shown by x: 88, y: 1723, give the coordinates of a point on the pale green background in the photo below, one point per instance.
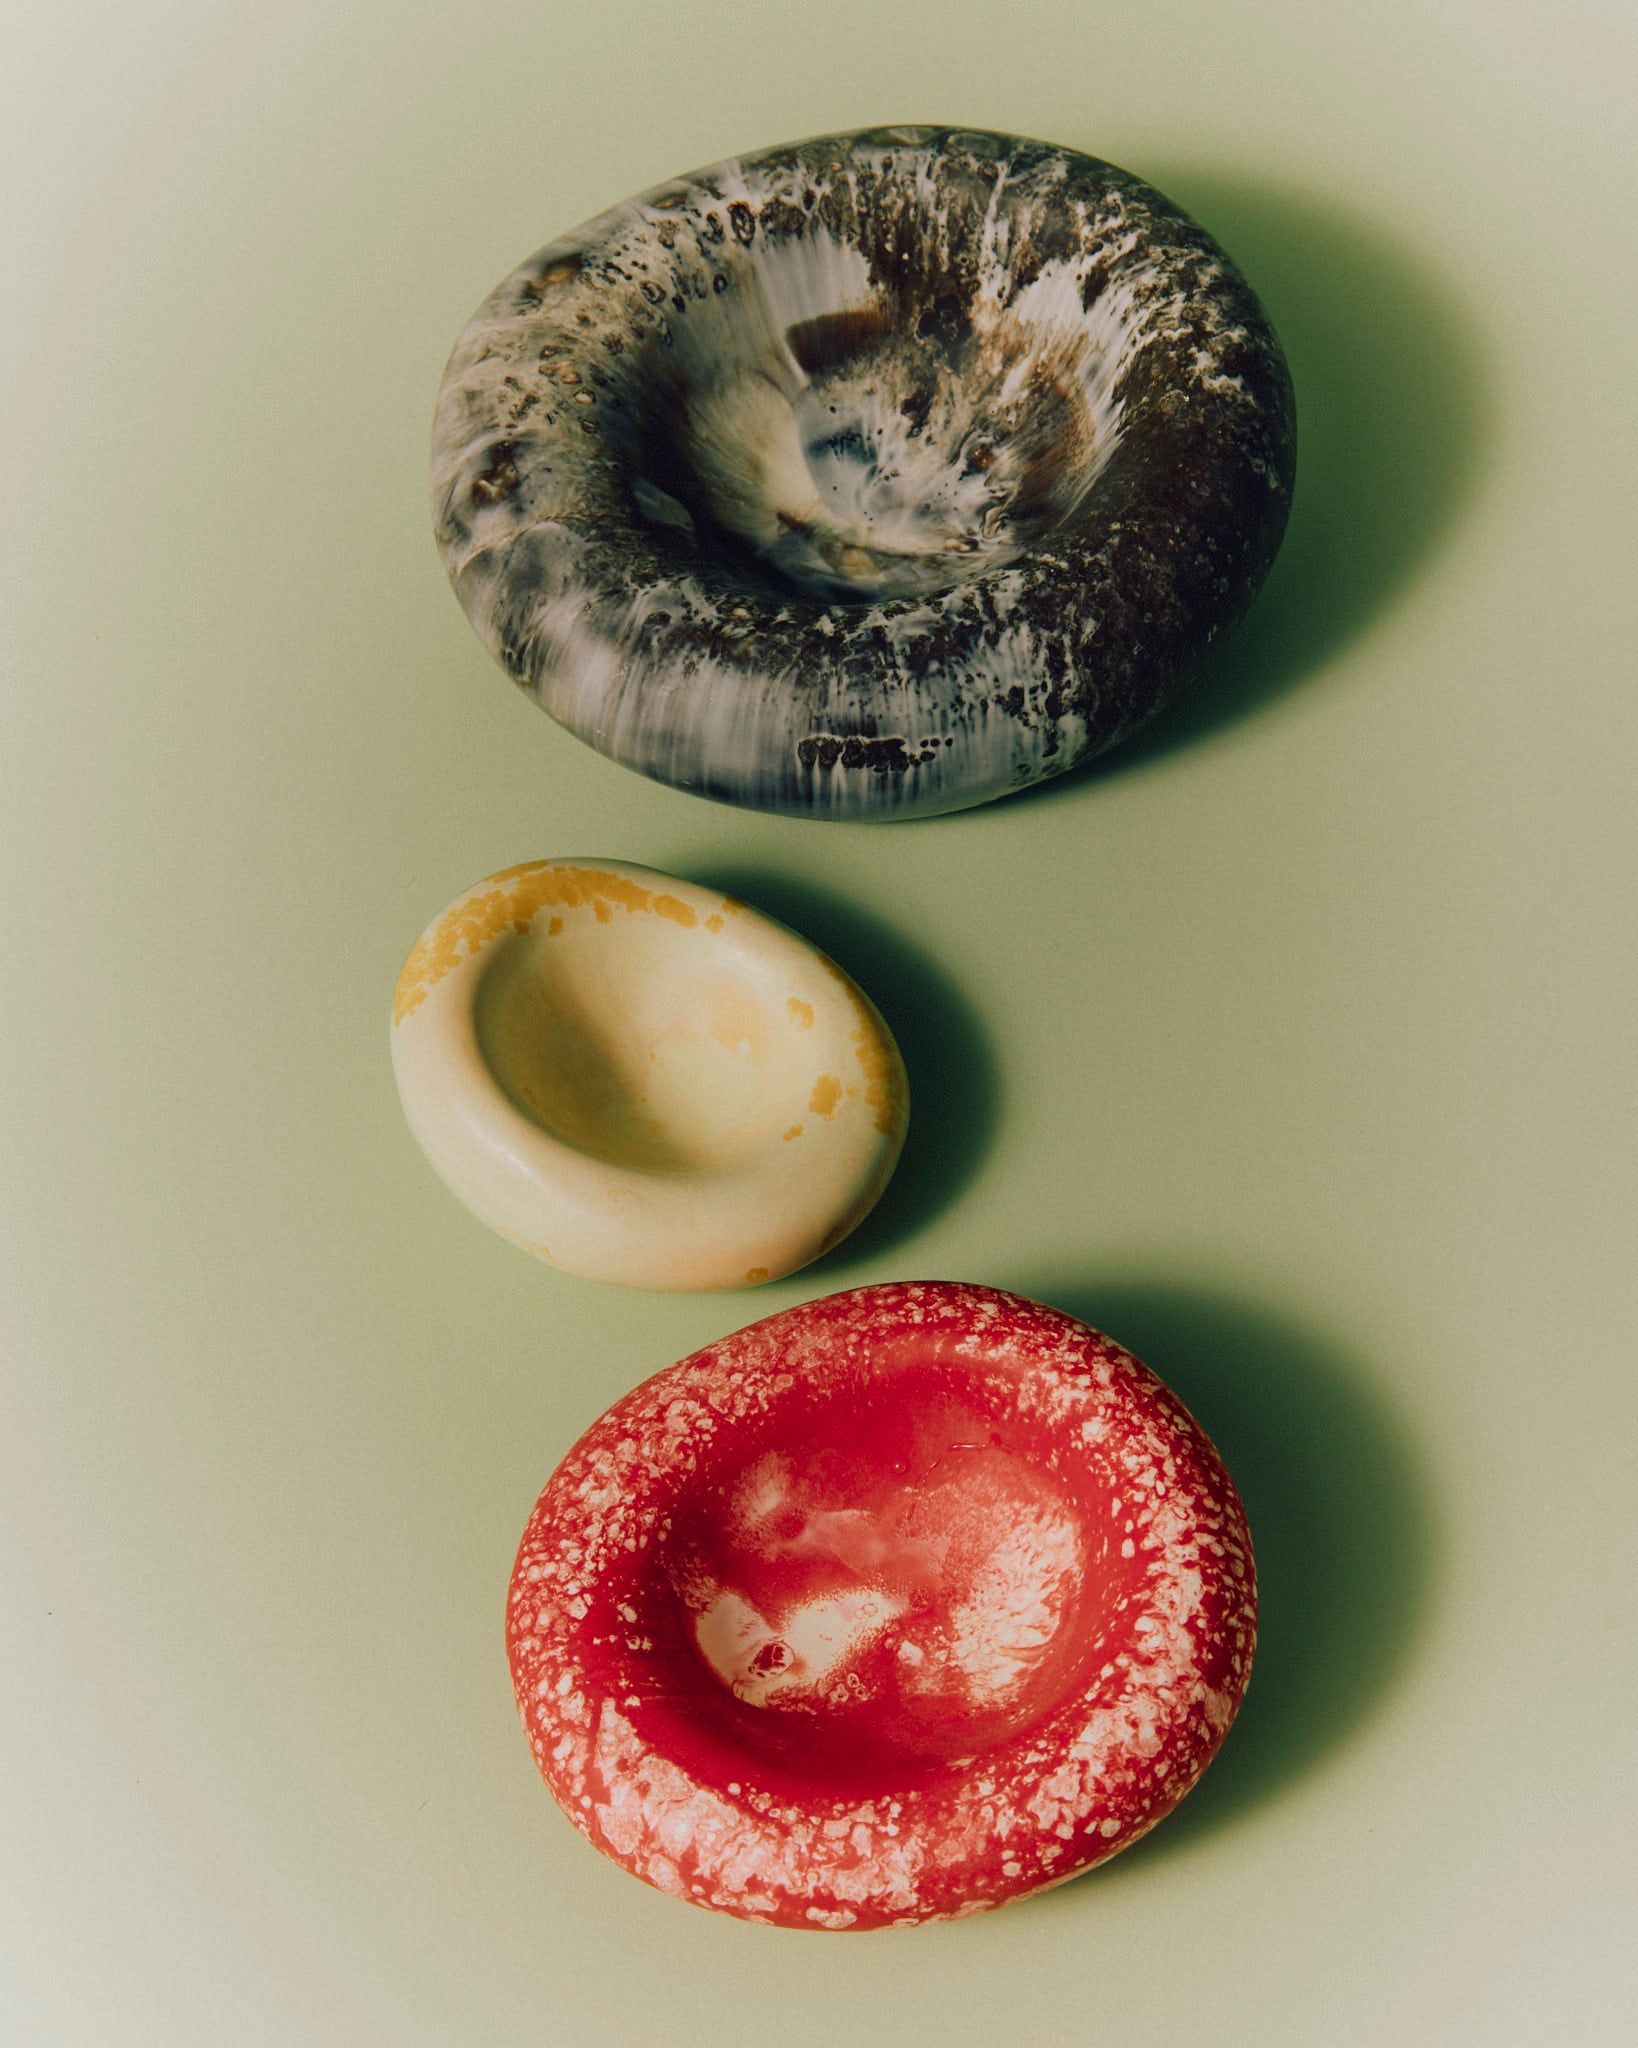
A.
x: 1292, y: 1046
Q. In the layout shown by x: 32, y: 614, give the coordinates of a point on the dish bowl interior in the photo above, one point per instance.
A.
x: 881, y: 1590
x: 646, y: 1042
x: 874, y: 449
x: 896, y: 387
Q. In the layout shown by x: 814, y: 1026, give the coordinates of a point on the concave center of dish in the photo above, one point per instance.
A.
x: 901, y: 1584
x: 640, y: 1043
x: 879, y: 450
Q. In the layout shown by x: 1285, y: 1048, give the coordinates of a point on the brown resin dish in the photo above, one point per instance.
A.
x: 865, y: 477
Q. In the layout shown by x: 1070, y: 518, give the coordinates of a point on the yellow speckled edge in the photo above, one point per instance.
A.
x: 511, y: 900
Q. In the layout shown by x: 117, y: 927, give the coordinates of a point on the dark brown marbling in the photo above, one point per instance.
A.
x: 871, y: 476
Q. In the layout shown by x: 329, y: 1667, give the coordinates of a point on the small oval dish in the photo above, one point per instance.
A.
x: 865, y: 477
x: 893, y: 1607
x: 643, y: 1081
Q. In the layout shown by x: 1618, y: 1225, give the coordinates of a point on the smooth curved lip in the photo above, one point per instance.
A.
x: 764, y: 1212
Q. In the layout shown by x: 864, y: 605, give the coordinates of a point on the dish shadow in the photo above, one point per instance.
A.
x: 1394, y: 429
x: 1343, y: 1527
x: 955, y: 1081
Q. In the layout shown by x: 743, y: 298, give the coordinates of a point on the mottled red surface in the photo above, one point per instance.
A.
x: 894, y: 1606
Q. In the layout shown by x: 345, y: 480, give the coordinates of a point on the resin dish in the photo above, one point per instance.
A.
x: 894, y: 1607
x: 871, y: 476
x: 644, y: 1081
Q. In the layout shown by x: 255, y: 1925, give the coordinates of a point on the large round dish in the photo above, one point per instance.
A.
x: 643, y: 1081
x: 893, y: 1607
x: 871, y: 476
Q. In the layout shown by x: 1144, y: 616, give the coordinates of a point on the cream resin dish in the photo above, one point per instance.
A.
x: 643, y: 1081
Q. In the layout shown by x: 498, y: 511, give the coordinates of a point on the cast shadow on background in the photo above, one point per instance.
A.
x: 1343, y: 1527
x: 955, y: 1082
x: 1394, y: 425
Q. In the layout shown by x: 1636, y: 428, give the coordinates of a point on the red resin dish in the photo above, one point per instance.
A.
x: 892, y: 1607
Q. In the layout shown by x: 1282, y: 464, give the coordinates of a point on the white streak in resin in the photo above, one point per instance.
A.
x: 888, y: 471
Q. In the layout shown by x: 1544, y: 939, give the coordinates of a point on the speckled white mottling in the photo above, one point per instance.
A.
x: 1124, y: 1742
x: 1017, y: 1602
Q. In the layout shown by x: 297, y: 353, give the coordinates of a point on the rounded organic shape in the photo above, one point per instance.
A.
x: 871, y: 476
x: 644, y: 1081
x: 892, y: 1607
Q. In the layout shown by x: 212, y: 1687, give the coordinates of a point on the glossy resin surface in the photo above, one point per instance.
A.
x: 895, y: 1606
x: 870, y: 476
x: 644, y: 1081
